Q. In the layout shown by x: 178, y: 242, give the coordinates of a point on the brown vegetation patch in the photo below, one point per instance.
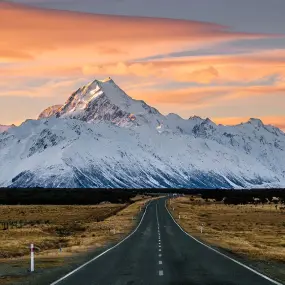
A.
x: 257, y: 231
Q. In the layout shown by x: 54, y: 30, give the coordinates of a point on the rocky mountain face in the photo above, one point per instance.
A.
x: 49, y: 112
x: 101, y: 137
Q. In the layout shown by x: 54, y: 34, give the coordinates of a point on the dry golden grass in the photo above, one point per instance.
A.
x: 15, y: 270
x: 73, y: 228
x: 255, y: 231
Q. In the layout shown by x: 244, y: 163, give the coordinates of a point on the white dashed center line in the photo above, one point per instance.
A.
x: 160, y: 272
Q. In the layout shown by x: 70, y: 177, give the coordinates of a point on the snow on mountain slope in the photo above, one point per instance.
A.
x: 4, y: 128
x: 178, y: 124
x: 101, y: 137
x: 73, y: 153
x: 49, y: 112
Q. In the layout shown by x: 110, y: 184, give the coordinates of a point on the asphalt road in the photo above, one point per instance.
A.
x: 159, y: 252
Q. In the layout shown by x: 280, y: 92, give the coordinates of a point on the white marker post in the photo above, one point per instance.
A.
x: 32, y: 258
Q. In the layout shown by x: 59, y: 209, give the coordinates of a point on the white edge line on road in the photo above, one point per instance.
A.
x: 209, y: 247
x: 96, y: 257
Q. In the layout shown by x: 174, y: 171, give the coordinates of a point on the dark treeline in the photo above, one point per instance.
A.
x: 44, y: 196
x: 82, y: 196
x: 246, y: 196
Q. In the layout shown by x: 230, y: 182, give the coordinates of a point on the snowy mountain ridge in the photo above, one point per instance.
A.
x: 4, y: 128
x: 101, y: 137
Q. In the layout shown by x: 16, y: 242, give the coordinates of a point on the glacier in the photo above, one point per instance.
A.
x: 102, y: 138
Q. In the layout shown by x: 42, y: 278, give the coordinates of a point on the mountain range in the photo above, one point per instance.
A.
x: 101, y: 137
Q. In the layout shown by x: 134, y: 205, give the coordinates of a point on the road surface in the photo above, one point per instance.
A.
x: 159, y: 252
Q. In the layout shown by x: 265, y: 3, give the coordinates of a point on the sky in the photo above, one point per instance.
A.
x: 222, y: 59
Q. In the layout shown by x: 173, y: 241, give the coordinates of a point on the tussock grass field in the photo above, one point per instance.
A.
x: 70, y: 228
x: 252, y: 232
x: 257, y: 231
x: 74, y: 229
x: 50, y: 227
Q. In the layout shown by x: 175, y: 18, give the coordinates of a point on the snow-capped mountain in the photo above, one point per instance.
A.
x: 49, y: 112
x: 103, y: 100
x: 4, y: 128
x: 101, y: 137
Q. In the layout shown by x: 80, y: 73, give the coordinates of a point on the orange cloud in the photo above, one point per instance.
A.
x: 208, y: 69
x: 61, y: 43
x: 191, y: 96
x: 257, y: 91
x: 199, y: 70
x: 229, y: 68
x: 208, y: 93
x: 13, y: 55
x: 148, y: 69
x: 59, y: 90
x: 37, y: 31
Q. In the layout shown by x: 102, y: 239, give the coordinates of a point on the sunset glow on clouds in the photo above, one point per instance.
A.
x: 47, y: 54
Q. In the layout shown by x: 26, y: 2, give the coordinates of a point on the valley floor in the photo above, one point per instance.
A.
x: 63, y: 236
x: 255, y: 233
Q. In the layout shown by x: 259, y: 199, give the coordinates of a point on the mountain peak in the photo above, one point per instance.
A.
x: 255, y: 122
x: 101, y: 81
x: 104, y: 100
x: 81, y: 99
x: 174, y: 116
x: 195, y: 118
x: 108, y: 79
